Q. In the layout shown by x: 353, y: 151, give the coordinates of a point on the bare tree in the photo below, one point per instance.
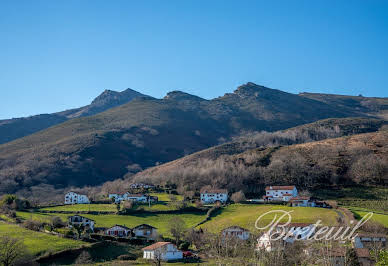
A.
x: 11, y: 249
x: 177, y: 228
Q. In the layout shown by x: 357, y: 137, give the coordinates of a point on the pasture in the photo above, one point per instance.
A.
x: 245, y: 215
x: 38, y: 243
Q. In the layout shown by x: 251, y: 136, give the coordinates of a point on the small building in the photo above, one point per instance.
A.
x: 136, y: 197
x: 78, y: 220
x: 118, y: 231
x: 75, y: 198
x: 363, y: 257
x: 145, y: 230
x: 127, y: 196
x: 165, y: 251
x: 236, y: 232
x: 369, y: 240
x: 300, y: 201
x: 280, y: 193
x: 333, y: 256
x: 300, y: 231
x: 141, y: 185
x: 214, y: 195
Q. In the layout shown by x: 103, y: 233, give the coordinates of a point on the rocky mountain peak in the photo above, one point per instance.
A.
x: 180, y: 95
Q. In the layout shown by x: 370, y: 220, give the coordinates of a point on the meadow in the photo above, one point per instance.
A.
x: 83, y: 207
x: 38, y: 243
x: 160, y: 221
x: 245, y: 215
x: 378, y: 217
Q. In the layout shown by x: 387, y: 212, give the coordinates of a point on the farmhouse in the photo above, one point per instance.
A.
x: 213, y: 195
x: 301, y: 202
x: 166, y: 251
x: 145, y: 230
x: 74, y: 198
x: 236, y: 232
x: 78, y: 220
x: 119, y: 231
x: 280, y: 193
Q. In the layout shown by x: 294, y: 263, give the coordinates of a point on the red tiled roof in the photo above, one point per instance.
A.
x: 156, y: 245
x: 279, y: 187
x: 362, y: 252
x: 287, y: 194
x: 300, y: 198
x: 213, y: 190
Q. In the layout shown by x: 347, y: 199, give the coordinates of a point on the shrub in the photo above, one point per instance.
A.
x: 33, y: 225
x: 57, y: 222
x: 238, y: 197
x: 127, y: 257
x: 184, y: 246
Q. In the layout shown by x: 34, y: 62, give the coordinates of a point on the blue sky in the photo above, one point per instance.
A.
x: 56, y: 55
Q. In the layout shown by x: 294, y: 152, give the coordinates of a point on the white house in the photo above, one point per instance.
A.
x: 75, y: 198
x: 301, y: 202
x: 293, y: 231
x: 119, y: 231
x: 165, y: 251
x: 145, y: 230
x: 280, y: 193
x: 126, y: 196
x: 236, y: 232
x: 78, y: 220
x: 213, y: 195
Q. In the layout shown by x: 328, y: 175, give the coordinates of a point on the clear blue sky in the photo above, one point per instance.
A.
x: 56, y: 55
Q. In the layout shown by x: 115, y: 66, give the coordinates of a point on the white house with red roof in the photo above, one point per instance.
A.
x: 212, y: 195
x: 280, y: 193
x: 165, y: 251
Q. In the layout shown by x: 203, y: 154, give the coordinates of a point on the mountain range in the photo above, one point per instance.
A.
x: 123, y: 133
x: 14, y: 128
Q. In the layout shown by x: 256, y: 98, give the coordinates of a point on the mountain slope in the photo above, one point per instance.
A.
x: 349, y: 160
x: 11, y: 129
x: 146, y: 131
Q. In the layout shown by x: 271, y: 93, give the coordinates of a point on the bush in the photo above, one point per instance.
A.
x: 57, y: 222
x: 238, y: 197
x: 33, y: 225
x: 184, y: 246
x: 127, y: 257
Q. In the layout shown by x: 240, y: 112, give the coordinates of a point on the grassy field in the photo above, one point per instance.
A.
x: 371, y: 198
x: 38, y: 243
x: 83, y: 207
x: 166, y: 197
x: 160, y: 221
x: 245, y: 215
x: 378, y: 217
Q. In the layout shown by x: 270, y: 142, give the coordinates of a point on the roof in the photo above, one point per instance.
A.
x: 287, y: 194
x: 279, y: 187
x: 122, y: 226
x: 334, y: 252
x: 80, y: 216
x: 235, y: 227
x: 214, y: 190
x: 362, y: 252
x: 146, y: 225
x: 371, y: 235
x: 156, y: 245
x: 136, y: 195
x: 299, y: 198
